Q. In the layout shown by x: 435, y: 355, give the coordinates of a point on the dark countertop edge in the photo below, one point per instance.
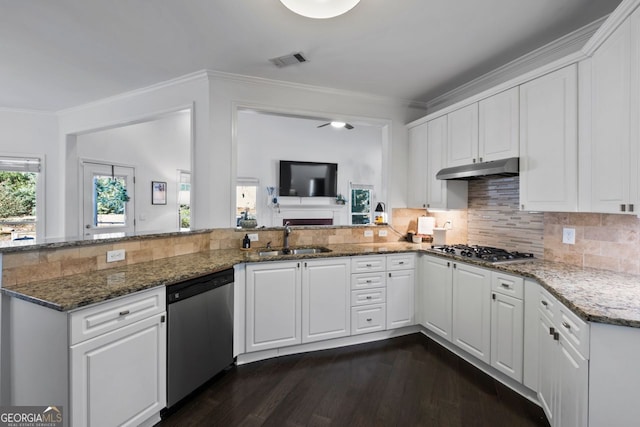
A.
x: 340, y: 250
x: 26, y: 246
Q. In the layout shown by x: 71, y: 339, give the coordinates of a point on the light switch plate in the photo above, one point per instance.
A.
x: 117, y: 255
x: 368, y: 233
x: 253, y: 237
x: 382, y: 233
x: 569, y: 236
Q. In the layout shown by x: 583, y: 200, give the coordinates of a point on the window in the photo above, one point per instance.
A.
x: 361, y: 204
x: 246, y: 202
x: 184, y: 200
x: 18, y: 181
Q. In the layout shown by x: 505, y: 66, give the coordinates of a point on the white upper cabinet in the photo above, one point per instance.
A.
x: 462, y: 140
x: 418, y: 166
x: 498, y: 127
x: 549, y: 142
x: 609, y: 146
x: 427, y: 153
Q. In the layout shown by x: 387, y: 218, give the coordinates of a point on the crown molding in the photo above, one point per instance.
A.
x: 27, y: 111
x: 241, y: 78
x: 187, y: 78
x: 616, y: 18
x: 560, y: 48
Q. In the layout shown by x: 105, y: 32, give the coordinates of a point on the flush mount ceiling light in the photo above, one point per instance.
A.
x: 337, y: 125
x: 320, y: 9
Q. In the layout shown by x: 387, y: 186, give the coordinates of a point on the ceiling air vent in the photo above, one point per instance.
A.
x: 294, y: 58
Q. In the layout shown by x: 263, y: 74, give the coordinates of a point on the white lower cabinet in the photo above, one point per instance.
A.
x: 400, y: 290
x: 436, y: 295
x: 563, y: 371
x: 119, y: 378
x: 471, y: 327
x: 274, y: 305
x: 368, y: 318
x: 326, y: 309
x: 368, y: 294
x: 507, y: 324
x: 292, y: 302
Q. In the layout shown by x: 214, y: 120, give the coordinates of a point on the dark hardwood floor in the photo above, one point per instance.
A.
x: 405, y: 381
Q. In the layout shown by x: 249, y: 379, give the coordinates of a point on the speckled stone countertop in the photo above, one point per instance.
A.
x: 594, y: 295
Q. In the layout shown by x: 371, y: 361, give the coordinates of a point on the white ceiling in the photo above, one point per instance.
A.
x: 56, y: 54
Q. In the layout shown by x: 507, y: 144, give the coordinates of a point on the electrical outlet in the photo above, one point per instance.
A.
x: 569, y: 236
x: 448, y: 225
x: 368, y: 233
x: 382, y: 233
x: 253, y: 237
x: 117, y: 255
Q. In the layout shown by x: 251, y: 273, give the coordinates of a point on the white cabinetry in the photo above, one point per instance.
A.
x: 368, y: 294
x: 462, y: 136
x: 292, y: 302
x: 498, y: 126
x: 118, y: 361
x: 471, y: 326
x: 609, y: 182
x: 548, y: 142
x: 436, y: 295
x: 400, y: 290
x: 563, y: 370
x: 427, y: 151
x: 507, y: 324
x: 274, y: 305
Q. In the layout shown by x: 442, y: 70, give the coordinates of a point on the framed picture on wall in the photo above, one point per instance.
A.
x: 158, y: 193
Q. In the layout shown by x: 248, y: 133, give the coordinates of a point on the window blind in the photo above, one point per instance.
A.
x: 19, y: 164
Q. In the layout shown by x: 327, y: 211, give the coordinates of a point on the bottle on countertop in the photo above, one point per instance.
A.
x: 246, y: 242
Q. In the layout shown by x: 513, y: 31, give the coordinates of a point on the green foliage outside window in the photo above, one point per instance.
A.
x: 111, y: 195
x: 360, y: 206
x: 17, y: 194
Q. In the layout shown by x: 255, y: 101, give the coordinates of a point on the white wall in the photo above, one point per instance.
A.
x: 36, y: 134
x: 264, y: 139
x: 157, y: 149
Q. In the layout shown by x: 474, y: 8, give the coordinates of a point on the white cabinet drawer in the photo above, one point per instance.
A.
x: 507, y: 284
x: 400, y: 262
x: 547, y: 304
x: 362, y: 264
x: 368, y: 296
x: 368, y: 280
x: 105, y: 317
x: 368, y: 318
x: 574, y: 329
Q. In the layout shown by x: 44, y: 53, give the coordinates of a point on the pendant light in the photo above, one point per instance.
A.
x: 320, y: 9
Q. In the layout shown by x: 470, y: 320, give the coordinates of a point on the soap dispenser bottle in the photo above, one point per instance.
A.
x: 246, y: 242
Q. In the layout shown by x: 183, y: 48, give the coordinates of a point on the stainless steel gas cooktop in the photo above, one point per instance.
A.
x: 485, y: 253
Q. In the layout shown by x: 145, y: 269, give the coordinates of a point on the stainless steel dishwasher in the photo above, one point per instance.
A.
x: 199, y: 332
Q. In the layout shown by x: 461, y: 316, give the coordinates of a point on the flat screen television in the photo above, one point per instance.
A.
x: 308, y: 179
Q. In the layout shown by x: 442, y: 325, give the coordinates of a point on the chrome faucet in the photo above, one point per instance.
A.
x: 287, y: 231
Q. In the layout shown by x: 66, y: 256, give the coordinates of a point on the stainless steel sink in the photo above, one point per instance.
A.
x: 294, y: 251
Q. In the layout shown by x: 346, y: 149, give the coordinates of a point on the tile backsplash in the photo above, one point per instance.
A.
x: 495, y: 218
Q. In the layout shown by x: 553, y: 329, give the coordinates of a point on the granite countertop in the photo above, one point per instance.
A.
x: 594, y: 295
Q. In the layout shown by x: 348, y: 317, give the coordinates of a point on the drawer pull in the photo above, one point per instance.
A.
x: 369, y: 319
x: 124, y: 313
x: 566, y: 325
x: 369, y: 297
x: 401, y: 262
x: 369, y: 281
x: 368, y: 265
x: 505, y: 285
x: 543, y: 302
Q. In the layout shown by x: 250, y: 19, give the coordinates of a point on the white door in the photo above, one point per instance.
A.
x: 436, y: 295
x: 400, y: 301
x: 507, y: 339
x: 471, y: 328
x: 107, y: 199
x: 119, y: 378
x: 273, y: 305
x: 326, y: 297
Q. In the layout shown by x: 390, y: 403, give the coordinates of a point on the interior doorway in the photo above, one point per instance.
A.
x: 108, y: 200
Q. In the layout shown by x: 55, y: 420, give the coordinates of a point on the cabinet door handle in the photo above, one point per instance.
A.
x: 552, y: 330
x: 448, y: 264
x: 124, y: 312
x: 298, y: 265
x: 556, y: 336
x: 480, y: 159
x: 566, y: 325
x: 493, y: 296
x: 455, y: 265
x: 631, y: 207
x: 543, y: 302
x: 474, y: 160
x: 623, y: 208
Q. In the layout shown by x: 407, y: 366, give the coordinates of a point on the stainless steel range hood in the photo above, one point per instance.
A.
x: 506, y: 167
